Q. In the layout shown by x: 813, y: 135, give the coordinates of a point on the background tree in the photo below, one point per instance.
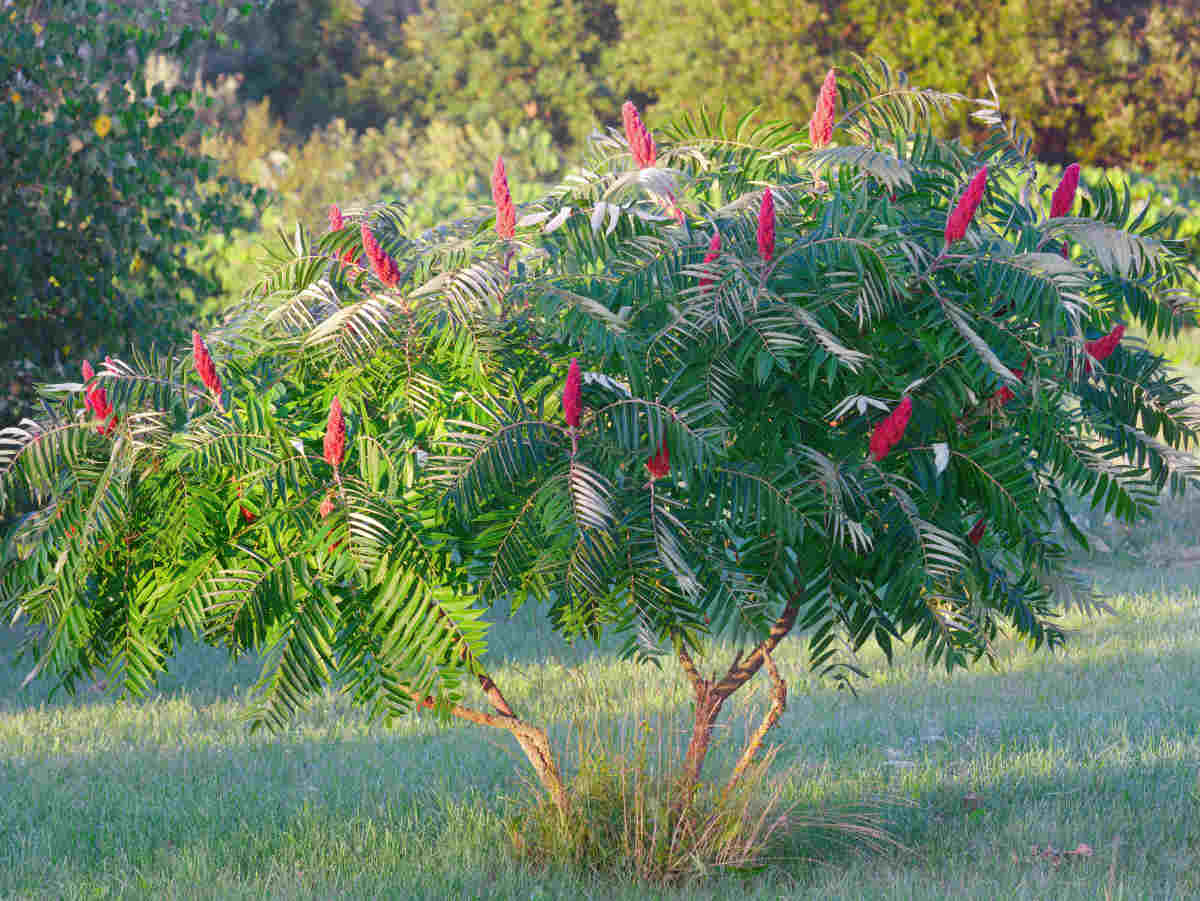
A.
x: 99, y: 201
x: 744, y: 382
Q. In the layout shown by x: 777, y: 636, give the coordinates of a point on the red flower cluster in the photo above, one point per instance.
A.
x: 640, y: 141
x: 889, y: 432
x: 659, y: 466
x: 385, y: 267
x: 96, y: 400
x: 572, y: 400
x: 960, y: 217
x: 335, y: 435
x: 766, y: 227
x: 326, y: 506
x: 336, y: 221
x: 506, y: 213
x: 247, y: 516
x: 714, y: 251
x: 820, y: 126
x: 976, y: 534
x: 1064, y: 198
x: 1064, y: 195
x: 205, y: 367
x: 1102, y: 348
x: 1005, y: 393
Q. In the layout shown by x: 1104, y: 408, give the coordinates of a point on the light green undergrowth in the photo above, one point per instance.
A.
x: 173, y: 798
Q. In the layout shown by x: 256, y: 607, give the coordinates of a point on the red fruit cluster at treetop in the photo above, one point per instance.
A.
x: 887, y: 433
x: 640, y: 142
x: 820, y: 126
x: 335, y: 435
x: 1004, y: 394
x: 205, y: 367
x: 95, y: 399
x: 1102, y: 348
x: 976, y: 534
x: 336, y: 222
x: 506, y: 213
x: 714, y: 251
x: 964, y: 211
x: 1064, y: 195
x: 384, y: 266
x: 659, y: 466
x: 572, y: 400
x: 766, y: 227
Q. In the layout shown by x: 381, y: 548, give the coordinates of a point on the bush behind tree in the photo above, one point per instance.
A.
x: 730, y: 383
x: 99, y: 198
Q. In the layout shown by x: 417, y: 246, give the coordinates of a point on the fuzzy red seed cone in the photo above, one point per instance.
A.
x: 1064, y: 195
x: 766, y: 227
x: 246, y: 515
x: 506, y: 213
x: 1102, y: 348
x: 381, y: 263
x: 335, y: 435
x: 88, y: 375
x: 572, y: 399
x: 205, y: 367
x: 976, y: 534
x: 964, y: 211
x: 820, y: 126
x: 659, y: 466
x: 714, y: 251
x: 640, y: 143
x: 336, y: 220
x: 890, y: 430
x: 326, y: 506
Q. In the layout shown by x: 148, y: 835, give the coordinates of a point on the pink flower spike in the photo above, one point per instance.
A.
x: 640, y: 143
x: 976, y: 534
x: 88, y: 375
x: 1064, y: 195
x: 820, y: 126
x: 383, y: 265
x: 572, y: 400
x: 964, y: 211
x: 890, y: 430
x: 659, y: 466
x: 766, y: 227
x: 336, y: 222
x: 714, y: 251
x: 506, y: 213
x: 205, y: 367
x: 326, y: 506
x: 335, y: 435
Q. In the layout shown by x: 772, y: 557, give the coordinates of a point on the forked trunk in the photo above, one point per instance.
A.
x: 710, y: 696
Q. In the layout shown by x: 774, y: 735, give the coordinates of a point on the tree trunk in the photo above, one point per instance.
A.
x: 710, y: 696
x: 533, y: 741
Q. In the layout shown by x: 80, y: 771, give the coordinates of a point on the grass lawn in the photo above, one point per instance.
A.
x: 173, y: 797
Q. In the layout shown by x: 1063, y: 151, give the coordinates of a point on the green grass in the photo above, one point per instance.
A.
x: 173, y: 797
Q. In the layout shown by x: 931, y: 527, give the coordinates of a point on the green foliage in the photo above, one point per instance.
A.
x: 436, y: 175
x: 463, y: 490
x: 99, y: 201
x: 473, y: 61
x: 304, y: 54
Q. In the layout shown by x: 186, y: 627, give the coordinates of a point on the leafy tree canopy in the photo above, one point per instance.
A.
x: 732, y: 378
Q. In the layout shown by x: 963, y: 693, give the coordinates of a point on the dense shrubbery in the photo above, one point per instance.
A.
x: 99, y: 197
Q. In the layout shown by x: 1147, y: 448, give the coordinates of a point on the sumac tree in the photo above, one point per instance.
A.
x: 719, y: 382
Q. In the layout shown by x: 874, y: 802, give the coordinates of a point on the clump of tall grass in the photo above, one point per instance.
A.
x: 626, y: 818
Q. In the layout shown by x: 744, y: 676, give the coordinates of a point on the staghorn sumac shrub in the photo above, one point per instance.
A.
x: 829, y: 399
